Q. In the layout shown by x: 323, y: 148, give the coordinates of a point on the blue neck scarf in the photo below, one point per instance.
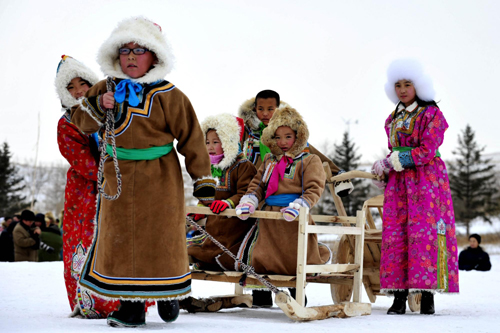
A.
x: 121, y: 92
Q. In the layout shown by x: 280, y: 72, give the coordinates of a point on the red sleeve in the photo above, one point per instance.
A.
x: 74, y: 147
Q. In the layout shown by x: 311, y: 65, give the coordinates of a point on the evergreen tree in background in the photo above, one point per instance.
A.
x: 11, y: 201
x: 472, y: 182
x: 345, y: 158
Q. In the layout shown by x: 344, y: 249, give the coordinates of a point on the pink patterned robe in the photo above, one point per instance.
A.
x: 419, y: 247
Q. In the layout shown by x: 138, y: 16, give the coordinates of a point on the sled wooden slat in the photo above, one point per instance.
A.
x: 333, y: 219
x: 332, y: 268
x: 326, y: 229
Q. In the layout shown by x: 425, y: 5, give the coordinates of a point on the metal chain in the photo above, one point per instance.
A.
x: 247, y: 269
x: 109, y: 133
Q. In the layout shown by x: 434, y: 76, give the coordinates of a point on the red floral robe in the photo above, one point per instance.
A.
x: 79, y: 214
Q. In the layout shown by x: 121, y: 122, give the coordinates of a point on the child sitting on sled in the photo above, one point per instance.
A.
x: 234, y: 174
x: 289, y: 178
x: 139, y: 251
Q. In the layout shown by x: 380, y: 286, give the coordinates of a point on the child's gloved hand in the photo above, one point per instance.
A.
x: 197, y: 217
x: 291, y: 212
x: 244, y: 210
x: 107, y: 100
x: 218, y: 206
x: 382, y: 166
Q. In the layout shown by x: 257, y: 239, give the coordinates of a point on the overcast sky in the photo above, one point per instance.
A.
x: 327, y: 59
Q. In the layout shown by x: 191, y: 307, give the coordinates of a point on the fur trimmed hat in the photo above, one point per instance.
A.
x: 67, y: 70
x: 248, y: 114
x: 230, y: 131
x: 145, y: 33
x: 412, y: 70
x: 286, y: 116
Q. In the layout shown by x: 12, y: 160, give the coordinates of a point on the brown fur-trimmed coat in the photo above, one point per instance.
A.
x: 142, y: 234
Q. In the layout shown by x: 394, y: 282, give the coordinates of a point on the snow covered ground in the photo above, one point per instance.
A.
x: 33, y: 299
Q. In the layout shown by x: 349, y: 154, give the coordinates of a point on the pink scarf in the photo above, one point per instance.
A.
x: 215, y: 159
x: 277, y: 175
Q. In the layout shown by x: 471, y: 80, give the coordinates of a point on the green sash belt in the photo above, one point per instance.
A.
x: 401, y: 149
x: 146, y: 154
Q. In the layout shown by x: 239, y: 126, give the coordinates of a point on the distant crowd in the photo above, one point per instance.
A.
x: 30, y: 237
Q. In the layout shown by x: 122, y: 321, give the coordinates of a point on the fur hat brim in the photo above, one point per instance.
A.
x: 68, y: 69
x: 145, y: 33
x: 412, y: 70
x: 286, y: 116
x: 229, y: 131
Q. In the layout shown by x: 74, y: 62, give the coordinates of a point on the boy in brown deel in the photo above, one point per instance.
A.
x: 256, y: 113
x: 289, y: 178
x: 139, y: 251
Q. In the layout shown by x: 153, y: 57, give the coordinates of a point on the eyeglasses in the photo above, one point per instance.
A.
x: 136, y: 51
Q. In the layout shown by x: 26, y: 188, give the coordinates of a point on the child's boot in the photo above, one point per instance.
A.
x: 427, y: 303
x: 130, y: 314
x: 168, y: 310
x: 399, y: 304
x: 262, y: 299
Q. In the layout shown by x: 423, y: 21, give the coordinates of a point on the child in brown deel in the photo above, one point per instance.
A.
x: 256, y: 113
x: 234, y: 174
x: 139, y: 251
x: 289, y: 178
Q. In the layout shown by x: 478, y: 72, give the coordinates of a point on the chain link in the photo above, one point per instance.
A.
x: 109, y: 133
x: 247, y: 269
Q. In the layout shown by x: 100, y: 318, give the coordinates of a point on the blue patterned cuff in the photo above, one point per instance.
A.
x: 406, y: 160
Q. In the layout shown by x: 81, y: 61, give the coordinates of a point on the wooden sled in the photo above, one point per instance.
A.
x: 349, y: 274
x: 372, y: 246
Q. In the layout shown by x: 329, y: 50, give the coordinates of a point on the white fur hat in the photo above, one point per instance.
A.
x: 67, y: 70
x: 229, y: 130
x: 412, y: 70
x: 145, y: 33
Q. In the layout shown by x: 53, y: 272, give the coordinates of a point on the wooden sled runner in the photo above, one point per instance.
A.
x: 372, y: 246
x: 341, y: 273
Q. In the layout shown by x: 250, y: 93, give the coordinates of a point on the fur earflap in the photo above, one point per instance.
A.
x: 286, y: 116
x: 67, y: 70
x: 248, y: 114
x: 145, y: 33
x: 229, y: 130
x: 409, y: 69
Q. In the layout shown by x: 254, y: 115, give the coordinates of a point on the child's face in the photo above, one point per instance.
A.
x: 135, y: 65
x: 77, y: 87
x: 285, y: 137
x: 405, y: 91
x: 265, y: 108
x: 214, y: 145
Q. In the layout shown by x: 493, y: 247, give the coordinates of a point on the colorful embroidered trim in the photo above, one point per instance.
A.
x: 442, y: 258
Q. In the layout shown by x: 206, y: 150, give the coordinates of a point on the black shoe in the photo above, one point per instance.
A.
x: 130, y: 314
x: 399, y: 305
x: 427, y: 303
x: 168, y: 310
x: 262, y: 299
x: 293, y: 293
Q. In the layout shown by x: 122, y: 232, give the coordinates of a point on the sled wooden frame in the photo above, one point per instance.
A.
x: 350, y: 274
x: 372, y: 246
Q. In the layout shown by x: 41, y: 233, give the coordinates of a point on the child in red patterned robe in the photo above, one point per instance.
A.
x: 73, y: 79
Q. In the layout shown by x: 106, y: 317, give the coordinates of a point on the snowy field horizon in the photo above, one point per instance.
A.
x: 34, y: 300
